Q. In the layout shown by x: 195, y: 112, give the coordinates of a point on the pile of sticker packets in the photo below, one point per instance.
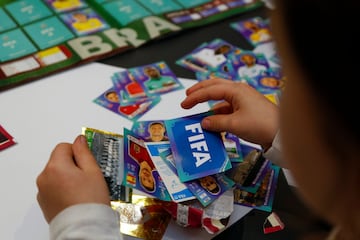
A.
x: 190, y: 175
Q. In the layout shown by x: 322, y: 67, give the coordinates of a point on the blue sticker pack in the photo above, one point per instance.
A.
x: 197, y: 152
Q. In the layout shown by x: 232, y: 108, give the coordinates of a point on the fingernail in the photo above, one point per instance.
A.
x: 82, y: 139
x: 205, y: 123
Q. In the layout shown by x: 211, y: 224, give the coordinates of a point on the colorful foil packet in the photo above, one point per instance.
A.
x: 144, y: 218
x: 107, y: 149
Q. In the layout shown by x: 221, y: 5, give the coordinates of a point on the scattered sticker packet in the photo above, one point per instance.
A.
x: 6, y: 140
x: 136, y: 90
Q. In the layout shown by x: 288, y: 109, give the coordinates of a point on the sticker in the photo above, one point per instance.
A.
x: 84, y: 22
x: 156, y: 78
x: 65, y: 5
x: 108, y: 150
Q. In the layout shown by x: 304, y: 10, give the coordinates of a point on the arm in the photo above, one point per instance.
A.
x: 86, y: 221
x: 73, y: 194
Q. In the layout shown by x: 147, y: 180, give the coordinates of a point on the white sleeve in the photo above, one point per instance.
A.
x: 86, y: 221
x: 274, y: 152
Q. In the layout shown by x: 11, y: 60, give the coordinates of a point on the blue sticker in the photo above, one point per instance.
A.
x: 197, y: 152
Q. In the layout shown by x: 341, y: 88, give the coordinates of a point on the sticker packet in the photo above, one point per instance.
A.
x: 178, y: 191
x: 209, y: 188
x: 6, y: 140
x: 264, y: 196
x: 256, y: 30
x: 139, y: 170
x: 107, y: 149
x: 111, y: 101
x: 197, y: 152
x: 156, y: 78
x: 143, y: 218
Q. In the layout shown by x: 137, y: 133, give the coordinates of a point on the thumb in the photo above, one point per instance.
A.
x: 83, y: 157
x: 217, y: 123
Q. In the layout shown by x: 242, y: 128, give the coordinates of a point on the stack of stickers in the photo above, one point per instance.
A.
x: 136, y: 90
x: 259, y: 67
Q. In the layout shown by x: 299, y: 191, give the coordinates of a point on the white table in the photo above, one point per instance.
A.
x: 54, y: 109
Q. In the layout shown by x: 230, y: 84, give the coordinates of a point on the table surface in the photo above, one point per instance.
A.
x: 51, y: 110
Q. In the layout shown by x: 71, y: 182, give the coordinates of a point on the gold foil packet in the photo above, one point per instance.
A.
x: 143, y: 218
